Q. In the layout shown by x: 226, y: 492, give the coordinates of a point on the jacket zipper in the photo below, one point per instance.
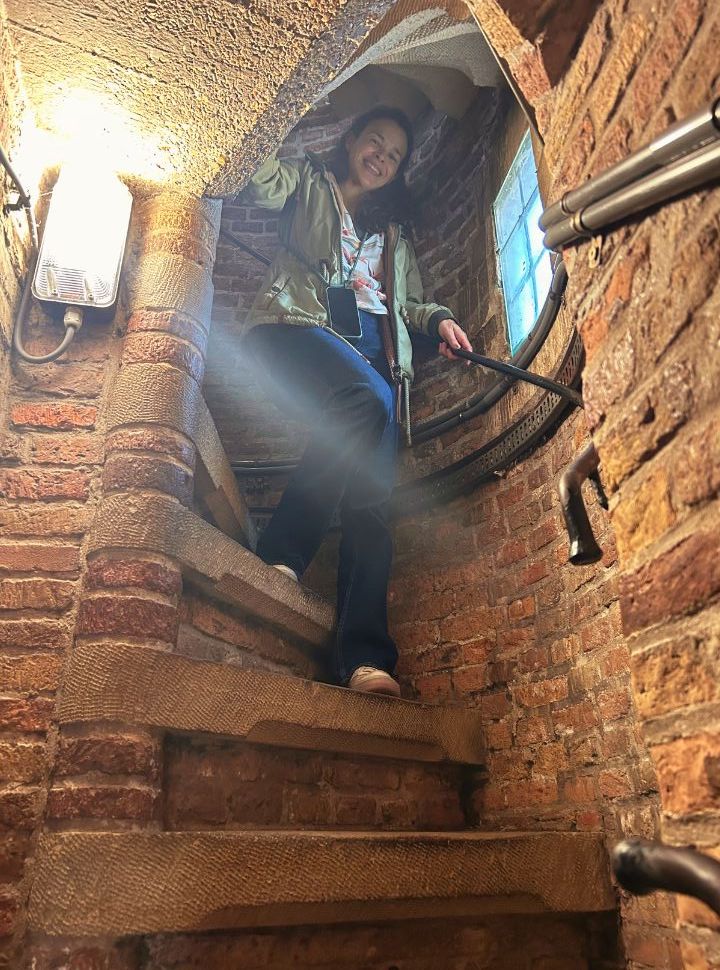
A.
x: 401, y: 382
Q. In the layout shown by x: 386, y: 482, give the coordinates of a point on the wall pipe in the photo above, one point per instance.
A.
x: 644, y: 867
x: 687, y: 173
x: 583, y: 547
x: 524, y: 357
x: 680, y: 139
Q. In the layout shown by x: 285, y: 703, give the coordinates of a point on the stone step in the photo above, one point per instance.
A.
x: 164, y: 882
x: 219, y: 565
x: 139, y: 685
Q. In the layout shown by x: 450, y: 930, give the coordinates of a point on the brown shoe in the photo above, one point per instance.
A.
x: 286, y: 569
x: 370, y: 680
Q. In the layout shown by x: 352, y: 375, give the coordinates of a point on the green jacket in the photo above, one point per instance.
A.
x: 293, y: 290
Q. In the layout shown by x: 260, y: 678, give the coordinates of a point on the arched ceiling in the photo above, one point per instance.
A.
x: 422, y: 51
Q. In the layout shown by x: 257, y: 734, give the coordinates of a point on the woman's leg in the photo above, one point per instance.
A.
x: 366, y: 546
x: 364, y: 572
x: 319, y: 379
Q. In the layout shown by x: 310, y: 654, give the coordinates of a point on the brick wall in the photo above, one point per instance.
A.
x: 20, y: 757
x: 14, y: 226
x: 535, y: 943
x: 50, y: 480
x: 456, y: 175
x: 500, y: 943
x: 229, y: 786
x: 486, y: 610
x: 648, y: 317
x: 502, y: 620
x: 50, y: 452
x: 619, y: 74
x: 545, y: 650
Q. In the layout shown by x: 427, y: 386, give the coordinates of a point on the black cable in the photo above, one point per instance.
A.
x: 72, y: 321
x: 248, y: 249
x: 24, y: 202
x: 5, y: 162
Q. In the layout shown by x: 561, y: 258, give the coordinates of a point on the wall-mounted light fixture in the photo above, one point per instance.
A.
x: 81, y: 253
x: 83, y: 241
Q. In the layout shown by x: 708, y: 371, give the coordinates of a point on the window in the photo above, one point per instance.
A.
x: 524, y: 263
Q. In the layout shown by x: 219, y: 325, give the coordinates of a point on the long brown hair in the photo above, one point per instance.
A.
x: 393, y: 202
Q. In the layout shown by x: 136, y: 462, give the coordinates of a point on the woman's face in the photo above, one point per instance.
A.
x: 375, y: 155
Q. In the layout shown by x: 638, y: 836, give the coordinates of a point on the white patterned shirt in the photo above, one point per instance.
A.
x: 369, y: 275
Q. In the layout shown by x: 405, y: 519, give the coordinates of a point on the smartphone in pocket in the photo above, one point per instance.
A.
x: 343, y: 312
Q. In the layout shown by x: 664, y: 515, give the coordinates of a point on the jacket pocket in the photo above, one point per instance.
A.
x: 275, y: 289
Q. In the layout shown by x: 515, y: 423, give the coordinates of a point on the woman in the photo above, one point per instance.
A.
x: 342, y: 236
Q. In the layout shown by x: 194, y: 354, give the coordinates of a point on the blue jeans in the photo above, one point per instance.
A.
x: 349, y: 465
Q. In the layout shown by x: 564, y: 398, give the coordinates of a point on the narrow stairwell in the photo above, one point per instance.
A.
x: 285, y: 801
x: 267, y: 798
x: 282, y: 801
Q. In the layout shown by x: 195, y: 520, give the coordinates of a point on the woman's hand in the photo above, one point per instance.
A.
x: 453, y: 337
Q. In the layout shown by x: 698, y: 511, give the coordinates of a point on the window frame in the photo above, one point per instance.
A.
x: 516, y: 329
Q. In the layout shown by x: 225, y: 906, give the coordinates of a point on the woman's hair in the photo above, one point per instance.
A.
x: 393, y: 202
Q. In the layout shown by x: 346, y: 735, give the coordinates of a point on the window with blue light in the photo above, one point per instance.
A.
x: 524, y: 263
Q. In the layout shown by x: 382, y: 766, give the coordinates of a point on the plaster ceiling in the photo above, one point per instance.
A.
x: 433, y: 52
x: 185, y: 93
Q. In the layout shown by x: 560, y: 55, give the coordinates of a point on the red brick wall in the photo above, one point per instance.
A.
x: 543, y: 648
x: 487, y: 610
x: 50, y: 453
x: 210, y: 630
x: 216, y: 785
x: 502, y: 620
x: 500, y: 943
x: 457, y: 173
x: 49, y: 485
x: 648, y: 317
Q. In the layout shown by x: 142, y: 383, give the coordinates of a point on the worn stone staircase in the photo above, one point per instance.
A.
x: 281, y: 800
x: 210, y: 876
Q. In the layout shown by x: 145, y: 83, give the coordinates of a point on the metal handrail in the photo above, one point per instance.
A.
x: 522, y: 375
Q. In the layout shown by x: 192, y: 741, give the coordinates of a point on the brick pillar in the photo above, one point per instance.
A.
x: 111, y: 776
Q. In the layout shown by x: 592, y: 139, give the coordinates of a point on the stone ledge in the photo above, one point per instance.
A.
x: 220, y: 566
x: 138, y: 685
x: 143, y: 882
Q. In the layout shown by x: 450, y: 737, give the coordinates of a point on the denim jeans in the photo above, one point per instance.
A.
x: 348, y: 466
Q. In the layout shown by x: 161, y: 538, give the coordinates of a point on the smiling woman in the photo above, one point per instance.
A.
x: 342, y: 294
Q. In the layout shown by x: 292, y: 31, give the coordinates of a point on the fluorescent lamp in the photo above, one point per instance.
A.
x: 83, y: 240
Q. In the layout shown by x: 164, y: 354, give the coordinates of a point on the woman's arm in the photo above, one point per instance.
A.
x: 273, y: 184
x: 432, y: 319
